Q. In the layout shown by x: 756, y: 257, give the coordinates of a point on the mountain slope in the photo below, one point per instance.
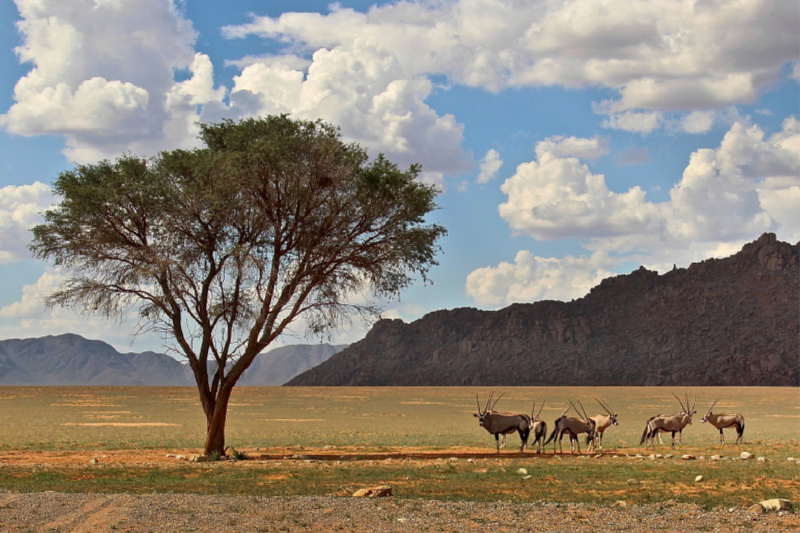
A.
x: 732, y: 321
x: 73, y: 360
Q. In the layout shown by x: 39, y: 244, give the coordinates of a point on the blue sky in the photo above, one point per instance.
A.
x: 571, y: 140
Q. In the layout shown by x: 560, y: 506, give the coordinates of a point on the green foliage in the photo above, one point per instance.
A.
x: 237, y: 455
x: 223, y: 247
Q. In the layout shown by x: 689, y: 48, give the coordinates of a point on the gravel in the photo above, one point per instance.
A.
x: 169, y: 513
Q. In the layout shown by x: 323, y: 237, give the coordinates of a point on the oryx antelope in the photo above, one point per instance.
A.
x: 669, y: 423
x: 722, y: 421
x: 539, y: 428
x: 573, y: 427
x: 602, y: 423
x: 498, y: 423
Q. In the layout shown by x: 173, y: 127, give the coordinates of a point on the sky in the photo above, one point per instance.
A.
x: 571, y: 140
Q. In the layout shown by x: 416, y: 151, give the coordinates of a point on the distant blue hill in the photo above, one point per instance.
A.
x: 73, y: 360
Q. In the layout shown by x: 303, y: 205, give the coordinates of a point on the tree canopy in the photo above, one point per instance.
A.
x: 223, y: 247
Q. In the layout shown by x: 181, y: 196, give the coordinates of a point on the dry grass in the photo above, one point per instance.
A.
x: 54, y: 418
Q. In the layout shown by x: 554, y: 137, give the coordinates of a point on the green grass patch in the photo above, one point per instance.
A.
x: 601, y: 481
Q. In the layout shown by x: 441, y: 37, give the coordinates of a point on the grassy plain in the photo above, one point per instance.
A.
x: 423, y: 441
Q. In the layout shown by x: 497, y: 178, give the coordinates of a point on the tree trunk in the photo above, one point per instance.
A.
x: 215, y: 423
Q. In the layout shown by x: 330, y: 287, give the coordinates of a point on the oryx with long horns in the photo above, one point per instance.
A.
x: 538, y: 427
x: 573, y: 427
x: 722, y: 421
x: 602, y: 423
x: 669, y: 423
x: 499, y: 423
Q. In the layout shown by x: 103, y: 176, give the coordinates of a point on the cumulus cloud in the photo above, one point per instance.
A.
x: 639, y: 122
x: 531, y: 278
x: 103, y: 77
x: 726, y: 196
x: 29, y: 317
x: 698, y: 121
x: 20, y: 208
x: 560, y: 146
x: 557, y: 197
x: 363, y: 90
x: 658, y: 56
x: 490, y: 164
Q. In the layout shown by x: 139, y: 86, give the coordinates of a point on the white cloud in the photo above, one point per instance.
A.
x: 560, y: 146
x: 531, y: 278
x: 729, y: 195
x: 30, y: 318
x: 556, y: 197
x: 103, y: 76
x: 698, y: 121
x: 20, y: 208
x: 634, y: 121
x: 365, y: 92
x: 659, y: 56
x: 32, y: 304
x: 490, y: 164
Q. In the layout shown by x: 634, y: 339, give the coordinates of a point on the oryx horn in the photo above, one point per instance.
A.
x: 680, y: 402
x: 497, y: 400
x: 604, y: 407
x: 585, y: 416
x: 712, y: 406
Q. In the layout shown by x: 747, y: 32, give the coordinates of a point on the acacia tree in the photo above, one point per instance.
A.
x: 223, y: 247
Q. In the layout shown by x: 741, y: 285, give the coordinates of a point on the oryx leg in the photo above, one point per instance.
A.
x: 523, y: 435
x: 673, y: 441
x: 503, y: 440
x: 721, y: 436
x: 497, y: 441
x: 739, y: 433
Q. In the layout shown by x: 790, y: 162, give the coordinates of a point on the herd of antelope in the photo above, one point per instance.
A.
x: 500, y: 424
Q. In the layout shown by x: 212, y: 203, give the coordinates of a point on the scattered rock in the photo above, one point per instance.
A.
x: 620, y: 503
x: 375, y: 492
x: 633, y: 482
x: 745, y: 456
x: 756, y: 509
x: 791, y: 459
x: 526, y: 477
x: 776, y: 504
x: 522, y: 471
x: 93, y: 461
x: 762, y: 459
x: 698, y: 479
x: 716, y: 457
x: 688, y: 457
x: 180, y: 457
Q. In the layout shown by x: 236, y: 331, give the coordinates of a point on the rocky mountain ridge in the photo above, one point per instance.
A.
x: 73, y: 360
x: 732, y: 321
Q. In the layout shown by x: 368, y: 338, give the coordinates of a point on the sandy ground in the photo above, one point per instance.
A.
x: 57, y: 512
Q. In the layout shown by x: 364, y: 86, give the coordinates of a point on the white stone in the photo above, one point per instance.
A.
x: 776, y: 504
x: 745, y: 456
x: 522, y: 471
x: 698, y: 479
